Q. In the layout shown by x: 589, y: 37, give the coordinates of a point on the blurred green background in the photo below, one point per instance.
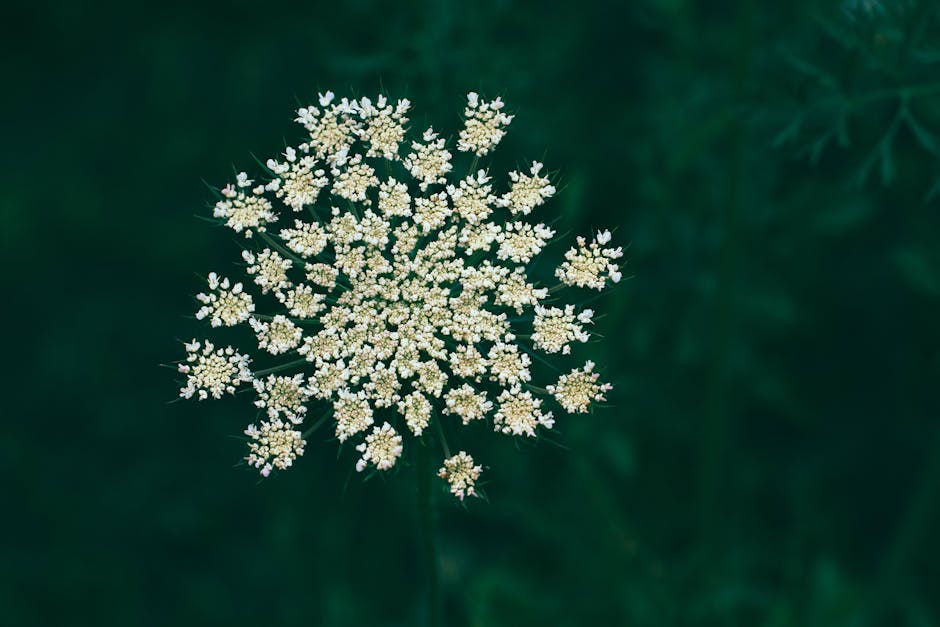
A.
x: 772, y: 456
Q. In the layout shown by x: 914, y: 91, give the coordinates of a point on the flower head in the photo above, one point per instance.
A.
x: 280, y: 335
x: 429, y: 161
x: 484, y: 125
x: 283, y: 396
x: 244, y: 211
x: 590, y: 265
x: 556, y: 328
x: 461, y: 473
x: 579, y: 388
x: 273, y: 445
x: 225, y: 304
x: 298, y: 181
x: 212, y: 371
x: 518, y: 413
x: 401, y: 296
x: 268, y: 268
x: 467, y: 403
x: 383, y: 126
x: 382, y: 448
x: 528, y: 191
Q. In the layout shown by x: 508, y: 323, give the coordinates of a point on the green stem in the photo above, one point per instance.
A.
x: 440, y: 433
x: 428, y: 535
x: 317, y: 424
x: 285, y: 366
x: 270, y: 241
x: 473, y: 165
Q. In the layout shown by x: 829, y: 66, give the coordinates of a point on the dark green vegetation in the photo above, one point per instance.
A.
x: 773, y: 454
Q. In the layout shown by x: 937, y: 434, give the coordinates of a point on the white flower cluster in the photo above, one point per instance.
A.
x: 382, y: 448
x: 244, y: 211
x: 484, y: 125
x: 285, y: 396
x: 402, y: 301
x: 225, y: 304
x: 590, y: 265
x: 274, y: 445
x: 212, y: 371
x: 528, y: 191
x: 555, y: 328
x: 579, y: 388
x: 461, y: 473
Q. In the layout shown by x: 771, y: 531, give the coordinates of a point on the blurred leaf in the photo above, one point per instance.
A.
x: 809, y: 69
x: 918, y: 270
x: 924, y: 137
x: 887, y: 163
x: 789, y: 132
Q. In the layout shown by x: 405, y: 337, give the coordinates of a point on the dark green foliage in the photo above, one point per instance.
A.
x: 771, y: 456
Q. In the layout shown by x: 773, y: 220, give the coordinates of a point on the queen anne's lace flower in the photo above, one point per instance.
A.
x: 383, y: 386
x: 431, y: 212
x: 352, y: 413
x: 460, y: 472
x: 327, y: 378
x: 472, y: 198
x: 353, y: 181
x: 417, y: 411
x: 382, y: 448
x: 306, y: 239
x: 590, y: 265
x: 283, y: 396
x: 519, y: 242
x: 243, y: 211
x: 484, y: 125
x: 555, y: 328
x: 274, y: 445
x: 507, y: 364
x: 299, y: 180
x: 268, y: 268
x: 517, y: 293
x: 394, y: 199
x: 212, y: 371
x: 302, y: 302
x: 478, y: 238
x: 430, y: 161
x: 395, y: 301
x: 226, y: 304
x: 576, y: 390
x: 467, y: 362
x: 277, y: 336
x: 321, y: 274
x: 383, y: 126
x: 518, y: 413
x: 528, y: 190
x: 466, y: 403
x: 331, y: 130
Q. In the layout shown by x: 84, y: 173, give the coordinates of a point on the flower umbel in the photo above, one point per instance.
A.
x: 212, y: 371
x: 274, y: 445
x: 576, y: 390
x: 460, y: 472
x: 393, y: 300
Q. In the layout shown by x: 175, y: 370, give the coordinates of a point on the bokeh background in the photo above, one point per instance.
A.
x: 772, y: 453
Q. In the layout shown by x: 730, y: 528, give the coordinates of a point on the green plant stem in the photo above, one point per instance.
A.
x: 289, y: 364
x: 427, y: 532
x: 317, y: 424
x: 473, y: 165
x: 440, y: 434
